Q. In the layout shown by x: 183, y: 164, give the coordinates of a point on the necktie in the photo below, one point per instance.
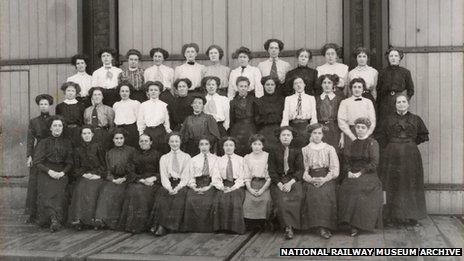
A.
x: 326, y: 109
x: 358, y: 99
x: 158, y: 74
x: 205, y: 170
x: 175, y: 163
x: 211, y: 106
x: 274, y: 69
x: 229, y: 170
x: 94, y: 117
x: 298, y: 106
x: 286, y: 153
x: 243, y: 69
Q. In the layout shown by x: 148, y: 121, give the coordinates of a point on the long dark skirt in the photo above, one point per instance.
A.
x: 332, y: 135
x: 269, y: 133
x: 136, y: 209
x: 348, y: 141
x: 301, y: 139
x: 103, y: 137
x: 288, y: 205
x: 198, y: 215
x: 31, y: 197
x: 257, y: 207
x: 158, y: 136
x: 242, y: 130
x: 320, y: 204
x: 228, y: 210
x: 360, y: 202
x: 109, y: 204
x: 73, y: 133
x: 402, y: 177
x: 51, y: 198
x: 168, y: 210
x: 111, y: 96
x: 132, y: 134
x: 84, y: 200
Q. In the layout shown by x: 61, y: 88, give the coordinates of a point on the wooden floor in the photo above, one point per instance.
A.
x: 19, y: 241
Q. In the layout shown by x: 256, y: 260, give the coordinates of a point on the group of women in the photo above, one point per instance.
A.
x: 205, y: 148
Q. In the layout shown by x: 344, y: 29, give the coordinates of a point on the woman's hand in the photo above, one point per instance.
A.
x: 29, y: 162
x: 119, y: 181
x: 341, y: 143
x: 352, y: 175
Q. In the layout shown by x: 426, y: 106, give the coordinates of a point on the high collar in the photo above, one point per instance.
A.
x: 330, y: 95
x: 70, y: 102
x: 362, y: 68
x: 398, y: 113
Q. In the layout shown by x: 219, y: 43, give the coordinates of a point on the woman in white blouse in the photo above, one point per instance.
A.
x: 126, y: 111
x: 198, y: 214
x: 228, y: 176
x: 332, y: 52
x: 169, y: 204
x: 243, y: 56
x: 159, y: 71
x: 81, y: 77
x: 299, y: 111
x: 216, y: 105
x: 257, y: 206
x: 153, y: 116
x: 369, y: 74
x: 215, y: 54
x: 190, y: 69
x: 107, y: 76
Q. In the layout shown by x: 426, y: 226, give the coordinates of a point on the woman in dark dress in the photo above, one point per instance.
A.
x: 360, y: 195
x: 228, y: 178
x: 197, y: 126
x: 140, y: 193
x: 401, y: 169
x: 269, y: 111
x: 168, y: 209
x: 72, y: 111
x: 327, y: 105
x: 393, y: 80
x: 37, y: 131
x: 120, y: 166
x: 242, y: 113
x: 303, y: 71
x: 199, y: 202
x: 181, y: 106
x: 89, y: 170
x: 53, y: 160
x: 321, y: 166
x: 285, y: 169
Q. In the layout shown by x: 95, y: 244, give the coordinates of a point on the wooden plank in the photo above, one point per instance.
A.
x: 257, y: 25
x: 446, y: 37
x: 138, y: 25
x: 457, y: 14
x: 289, y: 25
x: 445, y: 202
x: 51, y: 29
x: 410, y: 23
x: 432, y: 199
x: 245, y: 23
x: 434, y: 118
x: 457, y: 204
x: 334, y: 21
x: 397, y: 23
x: 61, y: 21
x: 434, y: 23
x: 176, y: 27
x: 207, y: 15
x: 166, y: 25
x: 299, y: 24
x: 125, y: 25
x: 234, y: 29
x: 220, y: 27
x: 14, y: 29
x: 23, y: 16
x: 446, y: 121
x: 277, y: 19
x: 311, y: 35
x: 71, y: 27
x: 267, y: 24
x: 5, y: 32
x: 422, y: 24
x: 42, y: 30
x: 196, y: 26
x: 186, y: 21
x: 157, y: 17
x: 451, y: 230
x: 422, y: 99
x: 457, y: 118
x: 321, y: 22
x: 149, y: 25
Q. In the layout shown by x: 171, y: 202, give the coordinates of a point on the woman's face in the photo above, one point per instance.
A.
x: 211, y: 86
x: 394, y: 58
x: 124, y: 92
x: 204, y: 146
x: 197, y: 105
x: 44, y: 106
x: 182, y: 89
x: 316, y: 136
x: 298, y: 85
x: 286, y: 137
x: 331, y: 56
x: 81, y: 65
x: 145, y: 142
x: 242, y: 88
x: 70, y: 93
x: 153, y: 91
x: 213, y: 55
x: 118, y: 139
x: 106, y: 58
x: 327, y: 85
x: 303, y: 58
x: 273, y: 50
x: 402, y: 104
x: 133, y: 61
x: 361, y: 130
x: 174, y: 142
x: 270, y: 86
x: 97, y: 97
x: 56, y: 128
x: 158, y: 58
x: 87, y: 135
x: 243, y: 59
x: 229, y: 147
x: 257, y: 146
x: 361, y: 58
x: 190, y: 54
x: 357, y: 89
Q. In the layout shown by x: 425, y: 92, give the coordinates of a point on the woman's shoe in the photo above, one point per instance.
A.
x: 354, y: 232
x: 161, y: 231
x: 324, y: 233
x: 288, y: 233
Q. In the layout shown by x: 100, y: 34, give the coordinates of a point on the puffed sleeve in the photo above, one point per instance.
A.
x: 343, y: 117
x: 313, y: 110
x: 334, y: 165
x: 286, y: 112
x: 216, y: 178
x: 239, y: 181
x: 422, y: 132
x: 247, y: 175
x: 213, y: 128
x: 164, y: 175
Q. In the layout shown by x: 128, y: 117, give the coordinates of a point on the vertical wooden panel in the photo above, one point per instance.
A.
x: 457, y: 10
x: 220, y: 26
x: 434, y: 23
x: 446, y: 108
x: 197, y: 23
x: 334, y: 21
x: 147, y: 26
x: 42, y: 30
x: 71, y: 28
x: 125, y: 25
x: 267, y: 21
x: 410, y: 23
x: 277, y: 18
x: 5, y: 32
x: 14, y: 29
x: 157, y: 14
x: 257, y: 25
x: 422, y: 24
x: 245, y: 23
x: 397, y: 23
x: 186, y: 21
x: 137, y: 26
x: 300, y: 25
x: 51, y: 29
x: 23, y: 16
x: 321, y: 22
x: 456, y: 90
x: 422, y: 101
x: 166, y: 24
x: 434, y: 117
x: 446, y: 22
x: 289, y: 25
x: 176, y: 26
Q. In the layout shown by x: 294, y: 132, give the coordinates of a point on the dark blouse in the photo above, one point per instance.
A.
x: 196, y: 126
x: 242, y: 108
x: 309, y: 76
x: 276, y: 165
x: 89, y: 157
x: 54, y: 153
x: 363, y: 156
x: 327, y: 110
x: 38, y: 130
x: 408, y: 126
x: 167, y: 97
x: 178, y: 110
x: 119, y: 161
x: 395, y: 78
x: 146, y: 165
x: 269, y: 109
x: 72, y: 113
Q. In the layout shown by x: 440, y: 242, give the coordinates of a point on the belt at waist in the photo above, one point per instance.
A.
x: 228, y: 183
x: 401, y: 140
x: 319, y: 172
x: 174, y: 181
x: 154, y: 127
x: 395, y: 92
x: 220, y: 122
x: 122, y: 125
x: 327, y: 121
x: 300, y: 121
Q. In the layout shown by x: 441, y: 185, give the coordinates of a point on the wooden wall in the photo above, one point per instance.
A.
x: 438, y: 79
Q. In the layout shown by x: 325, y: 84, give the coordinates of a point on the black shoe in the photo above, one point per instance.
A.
x: 153, y: 229
x: 54, y: 226
x: 288, y: 233
x: 324, y: 233
x: 161, y: 231
x: 98, y: 224
x: 77, y: 225
x: 354, y: 232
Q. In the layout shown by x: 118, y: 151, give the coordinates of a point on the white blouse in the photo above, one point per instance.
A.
x: 369, y: 75
x: 339, y: 69
x: 195, y: 167
x: 192, y: 72
x: 165, y: 75
x: 222, y: 105
x: 106, y: 77
x: 126, y: 111
x: 282, y: 68
x: 308, y: 109
x: 253, y: 74
x: 151, y: 114
x: 351, y: 108
x: 167, y: 172
x: 321, y: 155
x: 84, y: 80
x: 220, y: 171
x: 256, y: 166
